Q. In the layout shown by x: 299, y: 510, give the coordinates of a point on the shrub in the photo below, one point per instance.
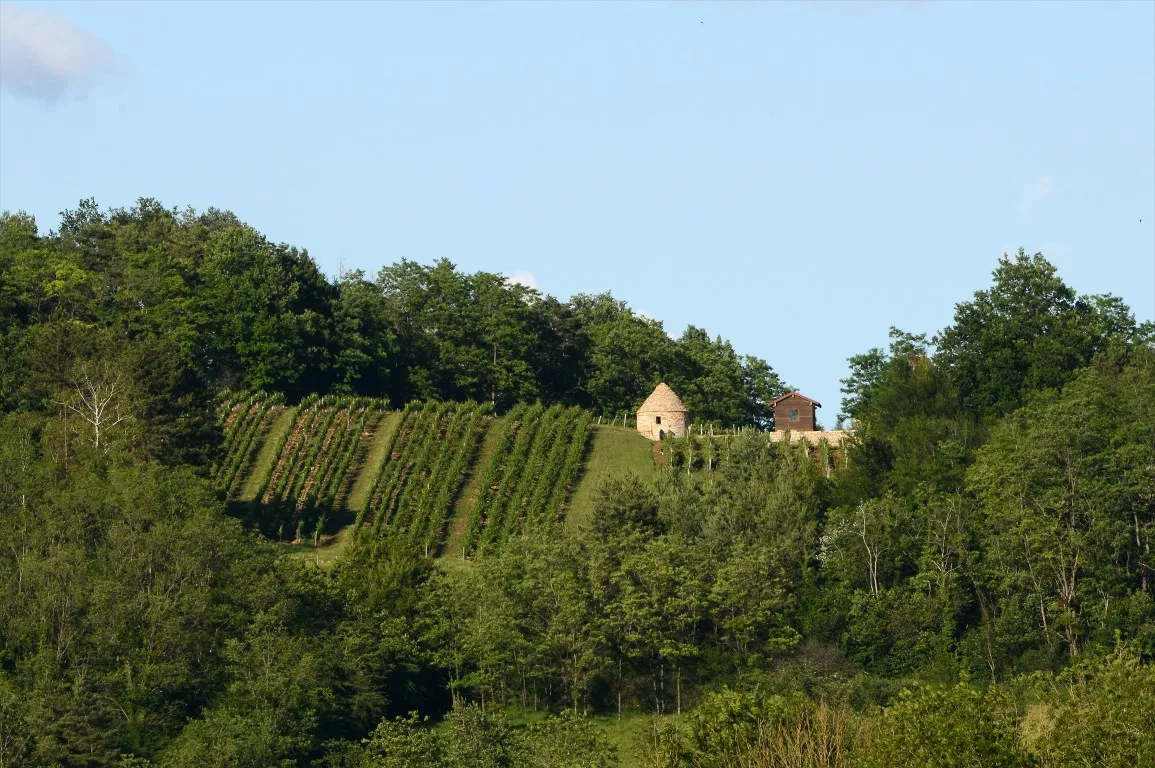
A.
x: 939, y: 727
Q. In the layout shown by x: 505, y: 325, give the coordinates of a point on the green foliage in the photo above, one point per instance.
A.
x: 312, y: 462
x: 991, y: 515
x: 428, y: 457
x: 1028, y: 332
x: 746, y: 728
x: 942, y: 727
x: 479, y: 739
x: 112, y: 596
x: 1104, y: 715
x: 245, y: 418
x: 1063, y: 508
x: 402, y: 743
x: 564, y: 741
x: 219, y: 306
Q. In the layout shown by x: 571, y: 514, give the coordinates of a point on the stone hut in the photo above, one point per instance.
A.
x: 663, y: 414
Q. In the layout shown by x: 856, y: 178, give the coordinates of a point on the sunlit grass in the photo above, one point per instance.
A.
x: 614, y: 451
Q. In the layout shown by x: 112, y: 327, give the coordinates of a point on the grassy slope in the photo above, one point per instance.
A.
x: 324, y: 554
x: 267, y: 456
x: 615, y: 451
x: 459, y: 521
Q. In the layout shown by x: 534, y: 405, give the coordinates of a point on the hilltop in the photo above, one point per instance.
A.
x: 452, y: 478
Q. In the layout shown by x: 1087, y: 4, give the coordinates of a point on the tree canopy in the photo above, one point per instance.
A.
x: 238, y: 311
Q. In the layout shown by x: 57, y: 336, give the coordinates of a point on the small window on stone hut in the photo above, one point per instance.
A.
x: 657, y: 419
x: 793, y: 414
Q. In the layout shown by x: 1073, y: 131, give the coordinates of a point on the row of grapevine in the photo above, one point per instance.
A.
x: 511, y: 427
x: 705, y: 452
x: 245, y: 416
x: 427, y: 461
x: 312, y: 462
x: 694, y: 453
x: 531, y: 473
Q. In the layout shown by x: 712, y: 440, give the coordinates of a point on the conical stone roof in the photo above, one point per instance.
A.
x: 663, y: 400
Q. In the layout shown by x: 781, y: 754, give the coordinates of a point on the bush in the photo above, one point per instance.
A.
x: 732, y: 729
x: 566, y: 741
x: 1105, y: 716
x: 402, y: 743
x: 938, y: 727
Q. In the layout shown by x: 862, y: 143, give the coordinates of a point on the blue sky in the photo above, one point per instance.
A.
x: 794, y: 176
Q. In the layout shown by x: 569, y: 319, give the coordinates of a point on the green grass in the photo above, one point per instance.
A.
x: 615, y: 451
x: 267, y: 457
x: 633, y: 734
x: 359, y: 494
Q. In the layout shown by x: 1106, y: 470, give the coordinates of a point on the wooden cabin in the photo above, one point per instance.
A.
x: 795, y: 412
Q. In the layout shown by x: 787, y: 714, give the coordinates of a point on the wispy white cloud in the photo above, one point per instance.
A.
x: 525, y: 278
x: 44, y: 56
x: 1033, y: 194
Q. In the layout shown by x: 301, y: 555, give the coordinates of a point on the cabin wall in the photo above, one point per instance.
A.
x: 807, y: 413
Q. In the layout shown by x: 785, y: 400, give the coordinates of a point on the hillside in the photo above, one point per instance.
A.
x: 450, y: 477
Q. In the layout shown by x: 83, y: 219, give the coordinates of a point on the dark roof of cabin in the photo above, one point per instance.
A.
x: 797, y: 394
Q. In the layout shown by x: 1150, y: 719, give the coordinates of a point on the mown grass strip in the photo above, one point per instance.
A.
x: 375, y: 452
x: 492, y: 503
x: 491, y: 480
x: 445, y: 478
x: 551, y: 474
x: 567, y: 477
x: 268, y: 455
x: 440, y: 457
x: 245, y: 444
x: 424, y: 424
x: 528, y: 472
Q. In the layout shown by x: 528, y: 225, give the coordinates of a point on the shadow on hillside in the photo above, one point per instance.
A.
x: 284, y: 523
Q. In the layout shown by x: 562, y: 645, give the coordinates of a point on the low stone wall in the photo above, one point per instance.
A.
x: 833, y: 437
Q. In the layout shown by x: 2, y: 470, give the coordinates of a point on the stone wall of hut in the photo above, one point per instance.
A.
x: 673, y: 423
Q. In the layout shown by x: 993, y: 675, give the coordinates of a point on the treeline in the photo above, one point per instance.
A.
x: 172, y: 304
x: 999, y: 500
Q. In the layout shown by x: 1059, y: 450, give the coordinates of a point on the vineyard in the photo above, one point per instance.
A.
x: 298, y: 472
x: 312, y: 458
x: 530, y: 475
x: 247, y: 420
x: 427, y: 460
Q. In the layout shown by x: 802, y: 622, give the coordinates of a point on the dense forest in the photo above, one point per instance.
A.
x: 969, y: 582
